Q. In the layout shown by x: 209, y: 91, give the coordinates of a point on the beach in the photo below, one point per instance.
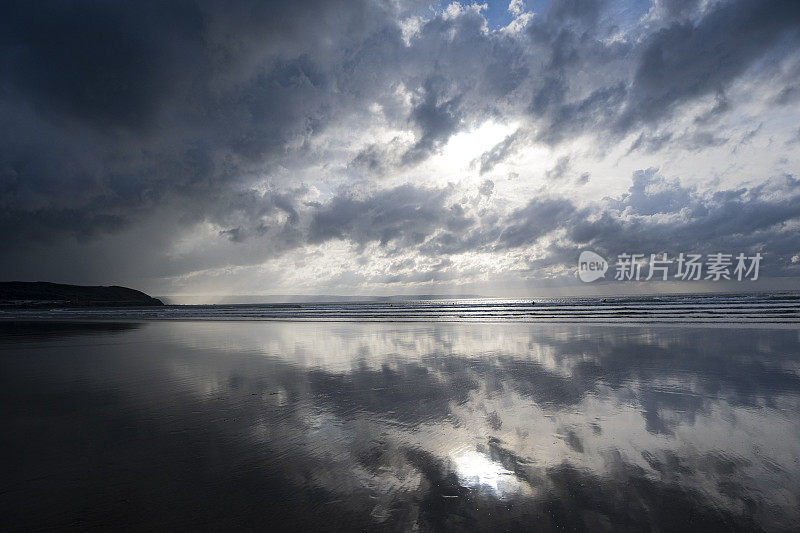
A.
x: 400, y: 426
x: 411, y: 266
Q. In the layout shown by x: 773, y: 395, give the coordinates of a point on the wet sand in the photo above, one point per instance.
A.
x: 398, y: 426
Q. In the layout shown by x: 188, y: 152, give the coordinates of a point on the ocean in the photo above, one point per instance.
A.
x: 691, y: 308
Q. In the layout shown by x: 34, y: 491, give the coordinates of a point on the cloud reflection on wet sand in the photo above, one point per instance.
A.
x: 401, y: 426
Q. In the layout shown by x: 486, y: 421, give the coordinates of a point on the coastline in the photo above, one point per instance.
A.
x: 735, y: 311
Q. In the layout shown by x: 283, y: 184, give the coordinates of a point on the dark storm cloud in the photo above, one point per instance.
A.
x: 114, y: 107
x: 642, y: 83
x: 250, y: 209
x: 157, y: 117
x: 686, y: 60
x: 109, y: 64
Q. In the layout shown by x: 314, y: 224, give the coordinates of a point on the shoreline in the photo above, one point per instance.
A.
x: 753, y: 324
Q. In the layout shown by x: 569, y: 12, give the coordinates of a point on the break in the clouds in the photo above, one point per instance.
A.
x: 388, y: 147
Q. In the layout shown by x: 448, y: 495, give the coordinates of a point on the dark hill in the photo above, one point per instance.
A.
x: 43, y: 294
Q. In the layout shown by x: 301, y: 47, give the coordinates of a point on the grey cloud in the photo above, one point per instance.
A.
x: 583, y: 11
x: 459, y: 74
x: 748, y: 137
x: 656, y: 215
x: 402, y: 265
x: 498, y: 231
x: 704, y: 139
x: 670, y: 218
x: 731, y: 36
x: 678, y: 8
x: 499, y: 152
x: 628, y: 85
x: 376, y: 159
x: 114, y: 108
x: 410, y: 217
x: 536, y: 219
x: 255, y: 213
x: 107, y: 64
x: 650, y: 142
x: 144, y: 120
x: 140, y: 104
x: 694, y: 140
x: 788, y: 95
x: 405, y: 216
x: 551, y: 92
x: 651, y: 194
x: 436, y: 118
x: 563, y: 168
x: 413, y: 222
x: 559, y: 169
x: 721, y: 106
x: 593, y: 112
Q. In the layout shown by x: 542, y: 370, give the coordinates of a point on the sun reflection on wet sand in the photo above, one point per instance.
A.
x: 476, y: 470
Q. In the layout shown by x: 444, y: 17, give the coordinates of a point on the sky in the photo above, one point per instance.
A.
x: 368, y: 147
